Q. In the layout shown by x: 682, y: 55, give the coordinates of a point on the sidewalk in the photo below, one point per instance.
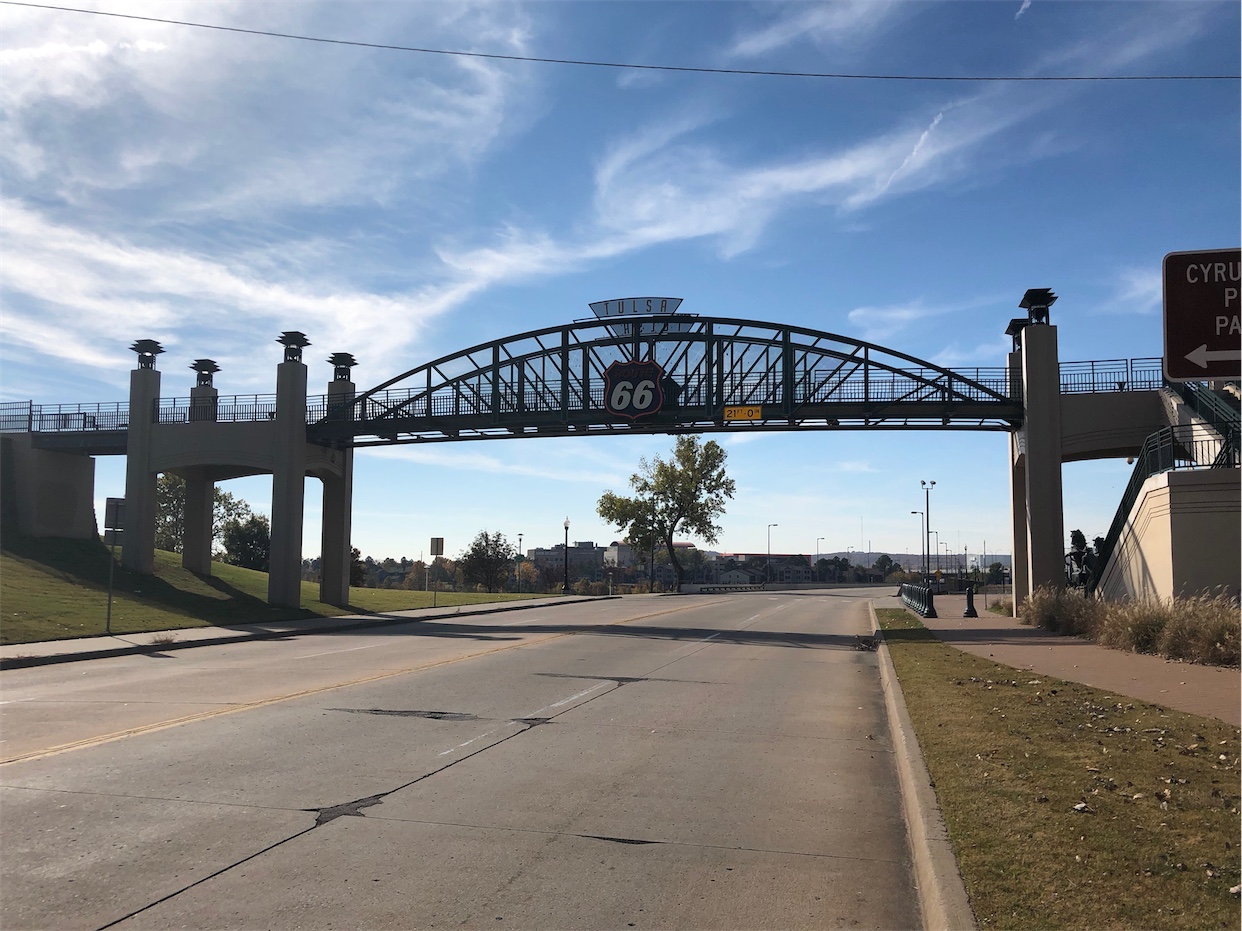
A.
x: 17, y: 655
x: 1208, y: 691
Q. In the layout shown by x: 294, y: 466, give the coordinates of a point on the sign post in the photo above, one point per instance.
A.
x: 1202, y: 308
x: 437, y: 549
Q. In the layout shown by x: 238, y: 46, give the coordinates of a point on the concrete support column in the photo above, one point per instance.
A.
x: 200, y: 494
x: 338, y: 494
x: 138, y: 544
x: 1019, y: 574
x: 1041, y: 382
x: 284, y: 581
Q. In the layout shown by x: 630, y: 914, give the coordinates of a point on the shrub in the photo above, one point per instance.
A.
x: 1062, y: 612
x: 1201, y: 629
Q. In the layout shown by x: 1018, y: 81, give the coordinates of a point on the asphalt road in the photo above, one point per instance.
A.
x: 700, y: 761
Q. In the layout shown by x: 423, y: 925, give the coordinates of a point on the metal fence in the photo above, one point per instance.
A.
x: 1111, y: 375
x: 239, y: 408
x: 27, y: 417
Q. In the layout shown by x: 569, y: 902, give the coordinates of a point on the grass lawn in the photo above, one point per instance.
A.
x: 1069, y: 807
x: 53, y: 588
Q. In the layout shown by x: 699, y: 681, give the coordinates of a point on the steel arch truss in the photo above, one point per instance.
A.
x: 551, y: 382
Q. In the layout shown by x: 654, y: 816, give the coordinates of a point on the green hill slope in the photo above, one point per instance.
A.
x: 55, y: 588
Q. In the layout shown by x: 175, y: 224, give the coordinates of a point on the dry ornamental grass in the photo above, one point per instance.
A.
x: 1202, y: 629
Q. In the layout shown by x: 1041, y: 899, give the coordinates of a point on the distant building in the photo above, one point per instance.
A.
x: 621, y: 555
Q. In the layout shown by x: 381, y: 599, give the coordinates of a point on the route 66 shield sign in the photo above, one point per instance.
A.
x: 633, y: 389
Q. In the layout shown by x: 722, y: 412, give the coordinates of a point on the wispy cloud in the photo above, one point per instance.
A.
x: 820, y: 23
x: 1026, y: 5
x: 1134, y: 291
x: 106, y: 291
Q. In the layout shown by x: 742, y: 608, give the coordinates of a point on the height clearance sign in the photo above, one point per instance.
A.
x: 1202, y: 308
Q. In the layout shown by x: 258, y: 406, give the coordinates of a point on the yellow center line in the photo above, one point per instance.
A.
x: 302, y: 693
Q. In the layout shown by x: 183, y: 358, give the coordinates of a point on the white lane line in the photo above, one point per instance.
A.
x: 369, y: 646
x: 533, y: 714
x: 468, y: 742
x: 566, y: 701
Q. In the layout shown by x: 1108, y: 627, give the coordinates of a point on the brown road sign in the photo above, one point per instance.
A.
x: 1202, y: 308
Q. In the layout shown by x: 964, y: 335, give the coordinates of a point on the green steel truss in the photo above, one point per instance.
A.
x: 552, y: 381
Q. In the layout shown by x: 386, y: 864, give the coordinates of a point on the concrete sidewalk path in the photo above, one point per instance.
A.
x: 41, y: 653
x: 1209, y: 691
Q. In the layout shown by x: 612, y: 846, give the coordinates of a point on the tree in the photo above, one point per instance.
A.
x: 487, y: 560
x: 685, y: 494
x: 248, y: 543
x: 885, y: 565
x: 170, y: 512
x: 357, y: 568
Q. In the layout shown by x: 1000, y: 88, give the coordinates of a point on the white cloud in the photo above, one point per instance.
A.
x: 108, y: 291
x: 1134, y: 291
x: 1026, y: 5
x: 857, y: 466
x: 836, y: 23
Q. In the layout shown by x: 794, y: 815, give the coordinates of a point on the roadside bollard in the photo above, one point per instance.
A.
x: 970, y: 602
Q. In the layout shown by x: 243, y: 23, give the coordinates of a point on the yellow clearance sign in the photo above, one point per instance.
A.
x: 748, y: 412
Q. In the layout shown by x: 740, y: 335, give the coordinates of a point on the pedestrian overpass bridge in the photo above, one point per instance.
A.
x: 637, y: 374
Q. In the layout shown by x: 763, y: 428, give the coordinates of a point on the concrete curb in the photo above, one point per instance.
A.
x: 275, y: 633
x: 942, y: 894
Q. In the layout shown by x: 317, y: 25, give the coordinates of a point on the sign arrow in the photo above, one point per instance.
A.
x: 1201, y: 356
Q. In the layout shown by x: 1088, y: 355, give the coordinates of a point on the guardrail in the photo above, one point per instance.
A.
x: 238, y: 408
x: 1212, y: 407
x: 27, y: 417
x: 919, y: 598
x: 1167, y: 450
x: 1104, y: 375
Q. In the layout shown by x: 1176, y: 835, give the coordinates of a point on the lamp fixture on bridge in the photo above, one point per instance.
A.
x: 205, y: 369
x: 294, y: 342
x: 341, y: 362
x: 1036, y: 302
x: 147, y: 350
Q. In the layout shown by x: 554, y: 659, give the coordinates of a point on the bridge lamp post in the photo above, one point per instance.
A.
x: 936, y: 534
x: 565, y: 584
x: 922, y: 544
x: 768, y: 567
x: 517, y: 565
x: 927, y: 487
x: 818, y: 541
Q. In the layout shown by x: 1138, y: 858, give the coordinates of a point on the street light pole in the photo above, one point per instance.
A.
x: 768, y: 567
x: 927, y: 487
x: 517, y: 565
x: 922, y: 546
x: 818, y: 541
x: 565, y: 583
x: 936, y: 534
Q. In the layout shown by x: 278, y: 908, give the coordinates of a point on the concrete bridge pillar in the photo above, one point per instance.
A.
x: 138, y: 543
x: 1035, y: 452
x: 284, y: 581
x: 338, y: 493
x: 196, y: 536
x: 200, y: 491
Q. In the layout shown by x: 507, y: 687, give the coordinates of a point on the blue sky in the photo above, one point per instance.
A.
x: 210, y: 190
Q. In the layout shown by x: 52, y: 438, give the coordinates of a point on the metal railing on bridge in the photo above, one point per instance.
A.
x: 1111, y: 375
x: 27, y: 417
x: 240, y: 408
x: 891, y: 387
